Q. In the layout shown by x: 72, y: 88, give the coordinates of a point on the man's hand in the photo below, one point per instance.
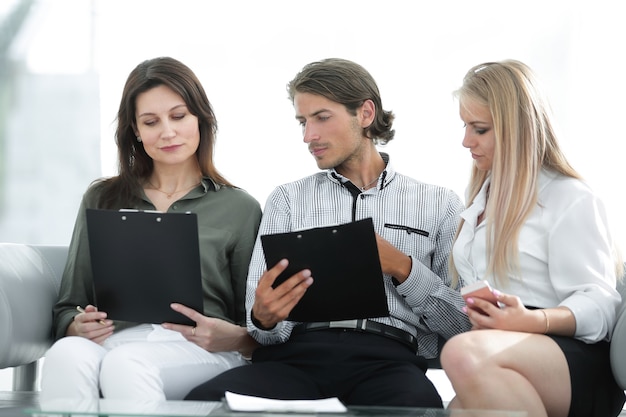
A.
x: 392, y: 261
x: 273, y: 305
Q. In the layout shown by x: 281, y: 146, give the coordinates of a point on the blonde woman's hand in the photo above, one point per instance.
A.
x: 509, y: 315
x: 512, y: 315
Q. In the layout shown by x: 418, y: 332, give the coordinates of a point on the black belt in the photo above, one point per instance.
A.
x: 361, y: 325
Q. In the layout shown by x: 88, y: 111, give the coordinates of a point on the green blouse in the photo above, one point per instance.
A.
x: 228, y: 222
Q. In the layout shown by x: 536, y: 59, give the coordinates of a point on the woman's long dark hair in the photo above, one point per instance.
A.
x: 134, y: 163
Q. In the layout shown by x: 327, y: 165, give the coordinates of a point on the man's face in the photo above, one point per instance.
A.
x: 333, y: 134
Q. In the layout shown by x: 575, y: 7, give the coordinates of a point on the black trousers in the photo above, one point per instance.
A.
x: 358, y: 368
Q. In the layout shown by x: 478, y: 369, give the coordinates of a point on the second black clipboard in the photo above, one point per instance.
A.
x: 344, y: 263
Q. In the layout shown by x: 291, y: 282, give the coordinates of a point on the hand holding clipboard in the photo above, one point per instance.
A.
x: 345, y: 265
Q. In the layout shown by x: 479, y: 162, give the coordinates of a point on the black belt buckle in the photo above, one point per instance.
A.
x: 362, y: 325
x: 356, y: 324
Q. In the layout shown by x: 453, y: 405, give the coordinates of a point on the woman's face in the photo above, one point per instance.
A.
x: 169, y: 132
x: 479, y: 136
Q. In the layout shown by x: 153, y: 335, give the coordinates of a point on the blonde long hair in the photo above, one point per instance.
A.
x: 525, y: 142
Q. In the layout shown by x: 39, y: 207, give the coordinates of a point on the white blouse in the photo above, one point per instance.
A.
x: 565, y: 255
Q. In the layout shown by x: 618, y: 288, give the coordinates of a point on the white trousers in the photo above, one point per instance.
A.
x: 145, y: 362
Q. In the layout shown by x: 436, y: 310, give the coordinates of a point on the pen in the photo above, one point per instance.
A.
x: 82, y: 310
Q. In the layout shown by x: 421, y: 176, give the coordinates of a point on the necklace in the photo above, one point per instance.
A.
x: 169, y: 195
x: 366, y: 186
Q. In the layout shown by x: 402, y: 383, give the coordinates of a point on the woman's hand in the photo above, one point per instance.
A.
x: 510, y: 315
x: 212, y: 334
x: 91, y: 324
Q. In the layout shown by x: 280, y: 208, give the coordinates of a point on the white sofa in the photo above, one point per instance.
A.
x: 29, y: 281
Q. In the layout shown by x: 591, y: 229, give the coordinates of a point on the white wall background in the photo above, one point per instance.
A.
x: 245, y: 51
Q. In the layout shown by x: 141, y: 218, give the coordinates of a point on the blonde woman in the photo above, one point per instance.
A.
x: 537, y: 233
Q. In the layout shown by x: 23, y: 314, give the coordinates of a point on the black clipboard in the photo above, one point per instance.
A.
x: 343, y: 259
x: 142, y: 262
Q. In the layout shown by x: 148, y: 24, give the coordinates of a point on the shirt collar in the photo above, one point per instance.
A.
x: 209, y: 185
x: 470, y: 214
x: 387, y: 175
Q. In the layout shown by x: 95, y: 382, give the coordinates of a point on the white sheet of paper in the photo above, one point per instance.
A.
x: 238, y: 402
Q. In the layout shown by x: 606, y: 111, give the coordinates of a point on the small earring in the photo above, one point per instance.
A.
x: 138, y: 139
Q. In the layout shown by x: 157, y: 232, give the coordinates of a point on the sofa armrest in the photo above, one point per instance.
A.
x: 618, y: 339
x: 618, y: 350
x: 30, y: 276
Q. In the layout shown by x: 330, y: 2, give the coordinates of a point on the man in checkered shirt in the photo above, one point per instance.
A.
x: 379, y: 361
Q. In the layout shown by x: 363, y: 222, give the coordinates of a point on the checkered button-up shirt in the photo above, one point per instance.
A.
x: 418, y: 219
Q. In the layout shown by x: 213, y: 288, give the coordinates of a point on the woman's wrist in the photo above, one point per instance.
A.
x: 546, y: 320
